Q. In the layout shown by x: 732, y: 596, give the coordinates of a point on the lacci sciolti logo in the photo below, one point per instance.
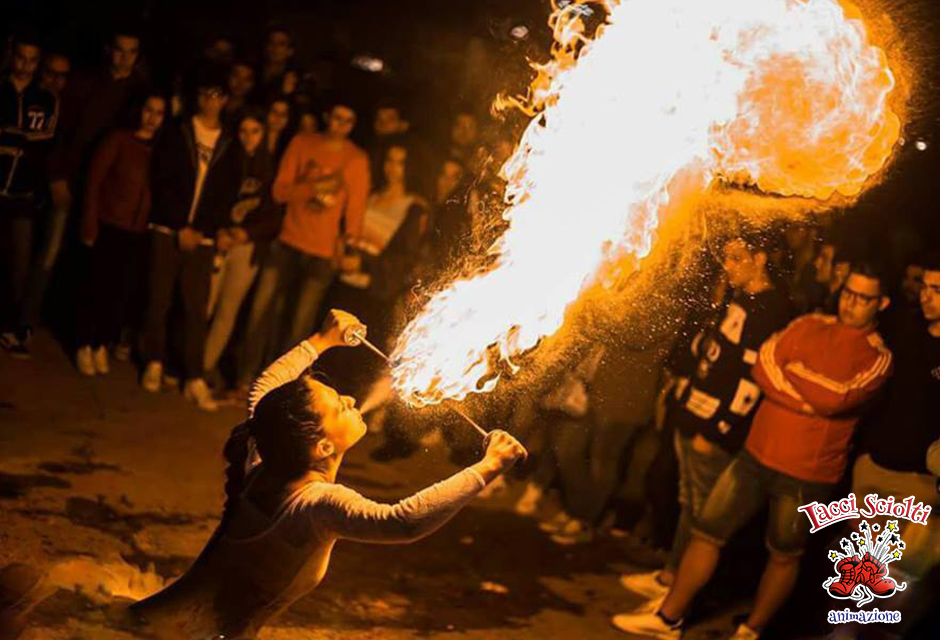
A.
x: 861, y: 567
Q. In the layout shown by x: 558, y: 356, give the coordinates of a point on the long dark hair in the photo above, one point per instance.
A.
x: 131, y: 115
x: 284, y: 427
x: 260, y: 165
x: 379, y: 181
x: 293, y: 120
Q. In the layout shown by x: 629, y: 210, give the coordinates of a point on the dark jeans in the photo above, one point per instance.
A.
x: 698, y: 473
x: 743, y: 488
x: 192, y: 273
x: 115, y: 271
x: 16, y: 248
x: 299, y: 280
x: 47, y: 252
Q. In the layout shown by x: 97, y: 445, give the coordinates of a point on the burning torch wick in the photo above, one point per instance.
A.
x: 354, y: 336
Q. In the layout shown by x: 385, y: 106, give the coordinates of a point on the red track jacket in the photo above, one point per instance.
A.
x: 814, y: 374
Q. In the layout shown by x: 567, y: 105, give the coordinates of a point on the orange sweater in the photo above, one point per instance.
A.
x: 814, y: 374
x: 321, y: 187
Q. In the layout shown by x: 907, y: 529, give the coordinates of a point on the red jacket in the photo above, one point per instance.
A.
x: 814, y: 374
x: 321, y: 187
x: 118, y: 187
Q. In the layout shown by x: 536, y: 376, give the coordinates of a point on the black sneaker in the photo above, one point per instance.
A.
x: 24, y: 338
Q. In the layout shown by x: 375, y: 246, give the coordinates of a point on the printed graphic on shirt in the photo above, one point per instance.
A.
x: 745, y: 397
x: 701, y: 404
x: 733, y: 325
x: 35, y: 118
x: 326, y: 183
x: 248, y: 201
x: 204, y: 152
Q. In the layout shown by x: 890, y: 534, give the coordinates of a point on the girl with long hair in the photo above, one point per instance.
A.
x: 284, y: 510
x: 255, y: 221
x: 114, y: 227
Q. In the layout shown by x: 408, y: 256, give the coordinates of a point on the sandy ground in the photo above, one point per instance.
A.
x: 98, y: 473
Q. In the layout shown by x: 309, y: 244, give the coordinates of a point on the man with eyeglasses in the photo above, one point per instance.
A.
x: 896, y: 459
x: 196, y: 175
x: 816, y: 376
x: 54, y: 75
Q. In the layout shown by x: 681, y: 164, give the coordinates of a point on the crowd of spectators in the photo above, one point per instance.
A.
x: 230, y: 203
x: 212, y: 221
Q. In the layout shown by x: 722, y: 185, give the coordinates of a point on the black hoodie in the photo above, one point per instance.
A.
x: 27, y: 125
x: 174, y: 172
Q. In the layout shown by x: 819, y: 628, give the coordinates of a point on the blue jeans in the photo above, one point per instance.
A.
x: 300, y: 281
x: 698, y: 473
x: 742, y: 490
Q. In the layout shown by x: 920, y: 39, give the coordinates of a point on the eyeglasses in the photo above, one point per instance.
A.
x: 212, y: 93
x: 856, y: 295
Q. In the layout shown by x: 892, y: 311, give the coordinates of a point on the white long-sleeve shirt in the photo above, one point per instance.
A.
x: 261, y: 564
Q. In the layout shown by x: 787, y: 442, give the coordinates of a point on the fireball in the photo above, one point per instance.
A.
x: 789, y: 97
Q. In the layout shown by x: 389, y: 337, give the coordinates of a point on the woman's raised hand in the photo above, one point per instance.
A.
x: 332, y: 332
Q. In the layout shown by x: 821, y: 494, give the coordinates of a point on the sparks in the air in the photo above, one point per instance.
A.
x: 788, y: 97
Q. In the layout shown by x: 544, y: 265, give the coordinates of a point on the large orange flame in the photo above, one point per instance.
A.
x: 789, y: 96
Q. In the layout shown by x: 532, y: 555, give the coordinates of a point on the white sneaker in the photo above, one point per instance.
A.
x: 85, y: 361
x: 198, y: 391
x: 644, y: 584
x: 647, y: 624
x: 153, y: 376
x: 744, y: 632
x: 101, y: 361
x: 530, y: 500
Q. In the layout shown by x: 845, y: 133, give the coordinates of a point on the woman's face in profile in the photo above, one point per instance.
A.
x: 342, y: 423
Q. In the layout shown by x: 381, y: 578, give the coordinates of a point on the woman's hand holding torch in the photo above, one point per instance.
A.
x: 338, y: 330
x: 502, y: 452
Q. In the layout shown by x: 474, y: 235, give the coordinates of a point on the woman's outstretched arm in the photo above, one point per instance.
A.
x: 340, y: 512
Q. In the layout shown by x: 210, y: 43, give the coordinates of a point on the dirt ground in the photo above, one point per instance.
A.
x: 98, y: 473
